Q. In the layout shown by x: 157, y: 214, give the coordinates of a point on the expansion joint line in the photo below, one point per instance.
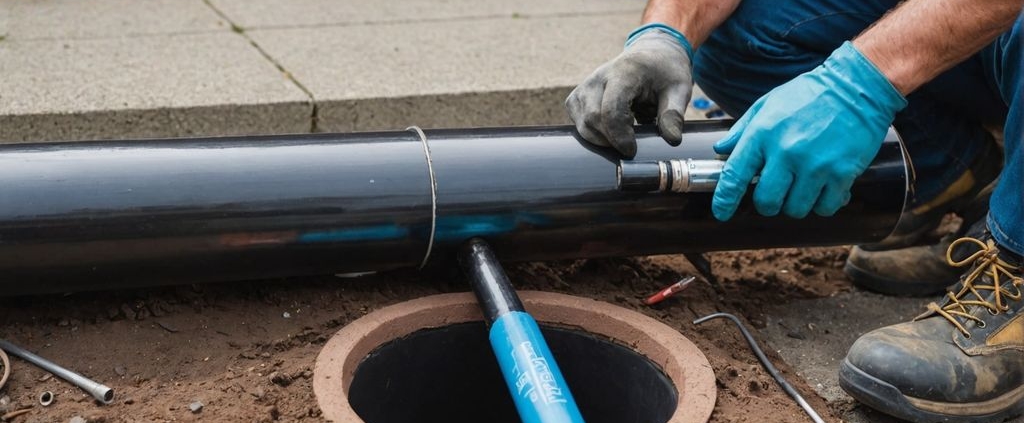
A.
x: 433, y: 192
x: 315, y: 114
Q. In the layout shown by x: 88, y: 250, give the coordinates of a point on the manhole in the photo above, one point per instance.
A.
x: 428, y: 360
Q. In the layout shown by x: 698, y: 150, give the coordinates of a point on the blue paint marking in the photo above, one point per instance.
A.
x: 467, y: 226
x: 356, y: 234
x: 537, y: 386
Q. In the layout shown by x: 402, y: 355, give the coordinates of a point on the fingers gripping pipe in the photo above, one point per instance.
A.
x: 688, y: 175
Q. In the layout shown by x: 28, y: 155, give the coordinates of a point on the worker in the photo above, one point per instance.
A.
x: 815, y: 85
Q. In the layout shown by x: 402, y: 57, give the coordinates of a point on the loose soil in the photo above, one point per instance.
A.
x: 245, y: 351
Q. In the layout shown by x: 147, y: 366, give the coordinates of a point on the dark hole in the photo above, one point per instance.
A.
x: 450, y: 375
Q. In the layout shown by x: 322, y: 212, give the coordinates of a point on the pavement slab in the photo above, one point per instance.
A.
x: 83, y: 19
x: 501, y: 108
x: 252, y: 14
x: 180, y: 85
x: 5, y: 21
x: 813, y: 336
x: 433, y: 74
x: 156, y: 68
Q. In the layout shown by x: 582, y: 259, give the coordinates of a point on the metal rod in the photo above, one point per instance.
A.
x: 101, y: 392
x: 538, y: 388
x: 93, y: 215
x: 673, y: 175
x: 767, y: 364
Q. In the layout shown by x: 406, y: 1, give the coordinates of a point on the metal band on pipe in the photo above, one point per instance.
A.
x: 663, y: 181
x: 433, y: 192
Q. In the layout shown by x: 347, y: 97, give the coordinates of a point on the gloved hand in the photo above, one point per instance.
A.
x: 809, y: 138
x: 651, y: 78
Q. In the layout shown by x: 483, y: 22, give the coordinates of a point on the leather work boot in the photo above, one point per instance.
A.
x: 962, y: 360
x: 896, y: 266
x: 920, y: 270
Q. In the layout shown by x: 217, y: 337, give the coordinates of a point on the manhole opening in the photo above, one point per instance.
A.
x: 449, y: 374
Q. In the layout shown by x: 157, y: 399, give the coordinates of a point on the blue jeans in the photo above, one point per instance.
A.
x: 768, y: 42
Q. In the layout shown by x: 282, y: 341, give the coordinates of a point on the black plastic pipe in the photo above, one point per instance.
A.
x: 529, y: 368
x: 77, y: 216
x: 491, y: 286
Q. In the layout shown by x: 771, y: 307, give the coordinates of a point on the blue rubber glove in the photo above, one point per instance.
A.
x: 809, y: 139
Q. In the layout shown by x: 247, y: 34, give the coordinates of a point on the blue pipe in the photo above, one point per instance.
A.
x: 538, y: 388
x: 531, y: 373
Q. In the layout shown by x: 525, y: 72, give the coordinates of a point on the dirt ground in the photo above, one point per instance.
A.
x: 245, y: 351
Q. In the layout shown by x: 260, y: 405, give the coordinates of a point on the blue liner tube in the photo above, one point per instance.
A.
x: 532, y: 376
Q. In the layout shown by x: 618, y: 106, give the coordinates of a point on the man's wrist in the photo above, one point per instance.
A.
x: 657, y: 26
x: 865, y: 78
x: 900, y: 73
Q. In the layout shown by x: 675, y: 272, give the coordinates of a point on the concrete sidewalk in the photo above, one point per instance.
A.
x: 74, y: 69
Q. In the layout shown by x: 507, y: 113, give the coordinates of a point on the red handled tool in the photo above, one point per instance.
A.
x: 670, y: 290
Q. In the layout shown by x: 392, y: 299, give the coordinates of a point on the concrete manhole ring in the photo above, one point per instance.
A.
x: 676, y: 360
x: 6, y: 371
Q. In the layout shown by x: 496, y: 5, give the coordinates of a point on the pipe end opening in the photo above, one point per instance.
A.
x: 46, y: 398
x: 107, y: 395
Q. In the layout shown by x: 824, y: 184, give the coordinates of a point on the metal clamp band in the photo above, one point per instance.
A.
x: 663, y: 180
x: 433, y: 192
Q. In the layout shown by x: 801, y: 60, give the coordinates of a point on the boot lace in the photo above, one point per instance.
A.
x: 973, y: 288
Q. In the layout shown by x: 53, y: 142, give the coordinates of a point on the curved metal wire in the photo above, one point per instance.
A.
x: 767, y: 364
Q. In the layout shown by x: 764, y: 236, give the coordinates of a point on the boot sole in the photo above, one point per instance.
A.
x: 886, y: 398
x: 873, y: 282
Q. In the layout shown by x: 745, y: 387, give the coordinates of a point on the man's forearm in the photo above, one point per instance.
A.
x: 694, y: 18
x: 921, y: 39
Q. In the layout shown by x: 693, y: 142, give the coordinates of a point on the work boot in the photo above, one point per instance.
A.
x: 920, y: 270
x: 896, y: 266
x: 962, y: 360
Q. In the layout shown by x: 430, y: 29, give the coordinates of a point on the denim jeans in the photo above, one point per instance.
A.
x: 768, y: 42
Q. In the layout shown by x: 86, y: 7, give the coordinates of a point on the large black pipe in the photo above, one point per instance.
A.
x: 77, y: 216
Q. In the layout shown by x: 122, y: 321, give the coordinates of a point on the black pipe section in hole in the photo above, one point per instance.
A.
x: 449, y: 375
x: 490, y: 284
x: 517, y: 341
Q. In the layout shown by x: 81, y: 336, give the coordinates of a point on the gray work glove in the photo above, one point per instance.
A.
x: 651, y: 79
